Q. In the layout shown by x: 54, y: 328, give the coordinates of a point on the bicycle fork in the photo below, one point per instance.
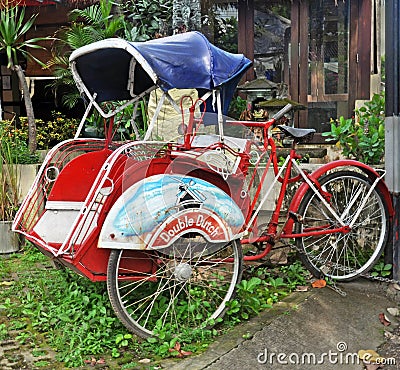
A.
x: 319, y: 192
x: 271, y: 235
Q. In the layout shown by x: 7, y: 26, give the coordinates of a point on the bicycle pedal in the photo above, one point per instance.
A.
x: 296, y: 217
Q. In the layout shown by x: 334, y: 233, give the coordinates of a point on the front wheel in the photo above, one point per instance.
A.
x: 348, y: 255
x: 186, y: 288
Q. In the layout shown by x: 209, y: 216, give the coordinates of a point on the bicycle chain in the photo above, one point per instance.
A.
x: 342, y: 268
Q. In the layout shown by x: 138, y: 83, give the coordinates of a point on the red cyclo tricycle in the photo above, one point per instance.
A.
x: 163, y: 222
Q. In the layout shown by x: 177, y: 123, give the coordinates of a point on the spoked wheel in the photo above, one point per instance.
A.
x: 188, y: 288
x: 343, y: 256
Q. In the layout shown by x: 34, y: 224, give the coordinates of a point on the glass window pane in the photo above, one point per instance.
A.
x: 328, y: 48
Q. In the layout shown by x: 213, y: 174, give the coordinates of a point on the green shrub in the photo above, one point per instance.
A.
x: 362, y: 138
x: 49, y: 133
x: 237, y: 106
x: 16, y: 142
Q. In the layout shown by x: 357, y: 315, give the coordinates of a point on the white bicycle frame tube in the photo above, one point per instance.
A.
x: 318, y: 194
x: 339, y: 219
x: 265, y: 197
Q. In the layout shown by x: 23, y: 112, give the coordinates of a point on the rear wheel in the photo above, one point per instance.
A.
x: 188, y: 288
x: 343, y: 256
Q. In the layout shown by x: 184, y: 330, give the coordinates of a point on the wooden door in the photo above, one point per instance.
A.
x: 331, y: 51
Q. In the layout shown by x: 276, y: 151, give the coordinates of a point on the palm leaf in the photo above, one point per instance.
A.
x: 91, y: 15
x: 79, y: 36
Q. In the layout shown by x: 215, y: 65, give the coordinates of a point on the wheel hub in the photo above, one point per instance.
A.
x: 183, y: 271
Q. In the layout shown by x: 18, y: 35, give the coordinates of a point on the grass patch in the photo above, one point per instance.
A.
x: 45, y: 308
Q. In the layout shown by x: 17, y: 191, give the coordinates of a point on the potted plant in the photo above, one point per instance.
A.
x: 9, y: 196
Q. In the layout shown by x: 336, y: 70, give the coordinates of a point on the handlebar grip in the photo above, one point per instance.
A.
x: 282, y: 112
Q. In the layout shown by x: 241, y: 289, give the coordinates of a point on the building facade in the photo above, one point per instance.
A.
x: 327, y: 52
x: 330, y: 55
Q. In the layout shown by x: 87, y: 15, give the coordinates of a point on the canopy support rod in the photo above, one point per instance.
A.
x: 220, y: 118
x: 83, y: 120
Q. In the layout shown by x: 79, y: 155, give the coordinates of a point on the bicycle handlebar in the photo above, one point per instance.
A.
x: 282, y: 112
x: 264, y: 124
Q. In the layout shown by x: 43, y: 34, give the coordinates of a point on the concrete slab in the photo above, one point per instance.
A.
x: 314, y: 330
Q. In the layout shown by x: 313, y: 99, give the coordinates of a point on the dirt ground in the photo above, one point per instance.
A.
x: 391, y: 350
x: 16, y: 356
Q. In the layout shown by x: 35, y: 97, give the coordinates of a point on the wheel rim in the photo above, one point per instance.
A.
x: 192, y: 282
x: 345, y: 256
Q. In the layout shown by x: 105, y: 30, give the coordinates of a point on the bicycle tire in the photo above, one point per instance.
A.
x: 343, y: 256
x: 193, y: 281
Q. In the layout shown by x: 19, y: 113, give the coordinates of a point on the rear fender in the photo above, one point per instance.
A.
x: 345, y: 163
x: 157, y: 210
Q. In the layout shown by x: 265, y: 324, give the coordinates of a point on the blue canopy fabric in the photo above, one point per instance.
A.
x: 189, y: 60
x: 186, y: 60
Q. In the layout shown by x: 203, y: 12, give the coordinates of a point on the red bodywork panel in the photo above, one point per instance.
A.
x: 77, y: 177
x: 92, y: 261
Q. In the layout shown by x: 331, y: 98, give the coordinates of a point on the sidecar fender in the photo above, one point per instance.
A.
x: 156, y: 211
